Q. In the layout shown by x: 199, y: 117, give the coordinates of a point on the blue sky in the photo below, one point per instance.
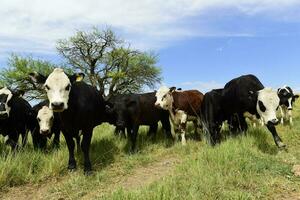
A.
x: 201, y: 44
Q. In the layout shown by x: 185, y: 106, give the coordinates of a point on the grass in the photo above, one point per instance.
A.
x: 245, y: 167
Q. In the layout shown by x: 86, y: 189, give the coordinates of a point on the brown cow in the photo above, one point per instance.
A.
x: 183, y: 106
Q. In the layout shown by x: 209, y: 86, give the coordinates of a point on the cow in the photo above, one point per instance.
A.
x: 47, y: 122
x: 243, y: 94
x: 133, y: 110
x: 181, y: 105
x: 16, y: 117
x: 80, y: 107
x: 287, y: 98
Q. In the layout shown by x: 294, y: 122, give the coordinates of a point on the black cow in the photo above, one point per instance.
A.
x: 80, y: 107
x: 240, y: 95
x: 133, y: 110
x: 287, y: 99
x: 16, y: 117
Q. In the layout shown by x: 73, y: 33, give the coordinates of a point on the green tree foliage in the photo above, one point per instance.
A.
x: 15, y: 75
x: 109, y: 64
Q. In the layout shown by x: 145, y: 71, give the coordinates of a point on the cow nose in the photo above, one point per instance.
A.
x: 44, y: 131
x: 274, y: 121
x: 57, y: 105
x: 290, y: 108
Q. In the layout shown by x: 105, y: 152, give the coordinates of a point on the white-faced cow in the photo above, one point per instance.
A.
x: 47, y: 123
x: 16, y: 116
x: 80, y: 107
x: 183, y: 106
x: 287, y: 98
x: 240, y: 95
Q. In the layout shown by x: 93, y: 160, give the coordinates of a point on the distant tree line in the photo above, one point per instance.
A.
x: 109, y: 63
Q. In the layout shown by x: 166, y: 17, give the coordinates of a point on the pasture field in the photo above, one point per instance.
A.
x: 245, y: 167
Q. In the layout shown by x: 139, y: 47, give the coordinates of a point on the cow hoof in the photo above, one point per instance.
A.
x: 88, y: 172
x: 281, y: 145
x: 72, y: 167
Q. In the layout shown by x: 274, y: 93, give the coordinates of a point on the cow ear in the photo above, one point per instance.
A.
x: 172, y: 89
x: 296, y: 96
x: 77, y: 77
x: 179, y: 89
x: 278, y: 90
x: 37, y: 77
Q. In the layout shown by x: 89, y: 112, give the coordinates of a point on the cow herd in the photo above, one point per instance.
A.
x: 74, y: 108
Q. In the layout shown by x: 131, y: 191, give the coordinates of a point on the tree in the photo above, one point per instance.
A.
x: 15, y: 75
x: 109, y: 64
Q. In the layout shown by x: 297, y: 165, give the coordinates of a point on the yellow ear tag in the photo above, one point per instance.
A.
x: 79, y: 78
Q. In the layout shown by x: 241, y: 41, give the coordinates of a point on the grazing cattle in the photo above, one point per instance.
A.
x: 133, y: 110
x: 79, y: 107
x: 181, y: 105
x: 47, y: 122
x: 240, y: 95
x: 16, y: 117
x: 287, y: 98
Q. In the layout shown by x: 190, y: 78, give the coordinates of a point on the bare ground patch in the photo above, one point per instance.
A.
x: 139, y: 177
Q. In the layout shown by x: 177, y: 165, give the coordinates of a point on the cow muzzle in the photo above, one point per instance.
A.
x: 4, y: 115
x: 273, y: 122
x: 44, y: 131
x: 57, y: 106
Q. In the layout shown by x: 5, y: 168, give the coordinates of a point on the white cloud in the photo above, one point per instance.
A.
x: 35, y: 25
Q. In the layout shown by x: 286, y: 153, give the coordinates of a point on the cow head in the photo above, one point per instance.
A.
x: 164, y: 98
x: 119, y: 110
x: 58, y: 86
x: 266, y: 105
x: 6, y: 96
x: 287, y: 97
x: 45, y: 119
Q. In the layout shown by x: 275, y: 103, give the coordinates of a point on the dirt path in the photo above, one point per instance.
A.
x: 139, y: 177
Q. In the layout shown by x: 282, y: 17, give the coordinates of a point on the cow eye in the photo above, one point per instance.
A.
x: 68, y: 87
x: 277, y: 107
x: 38, y: 119
x: 261, y: 106
x: 52, y: 118
x: 47, y: 87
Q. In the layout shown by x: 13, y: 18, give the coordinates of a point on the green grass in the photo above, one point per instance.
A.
x: 245, y: 167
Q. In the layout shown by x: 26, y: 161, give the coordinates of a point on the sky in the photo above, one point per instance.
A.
x: 202, y: 44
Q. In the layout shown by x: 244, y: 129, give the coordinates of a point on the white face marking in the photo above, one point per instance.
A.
x: 6, y: 96
x: 164, y: 98
x: 270, y: 101
x: 290, y: 103
x: 45, y: 119
x: 58, y: 87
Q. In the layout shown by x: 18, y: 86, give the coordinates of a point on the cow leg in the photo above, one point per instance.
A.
x: 290, y: 117
x: 71, y: 146
x: 55, y: 142
x: 182, y: 127
x: 276, y: 137
x: 85, y: 146
x: 197, y: 135
x: 152, y: 131
x: 167, y: 126
x: 13, y: 140
x: 133, y: 137
x: 282, y: 114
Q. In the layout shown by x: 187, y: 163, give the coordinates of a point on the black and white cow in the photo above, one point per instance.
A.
x: 80, y: 107
x: 287, y: 98
x: 47, y: 122
x: 16, y: 116
x: 133, y: 110
x: 182, y: 106
x: 240, y: 95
